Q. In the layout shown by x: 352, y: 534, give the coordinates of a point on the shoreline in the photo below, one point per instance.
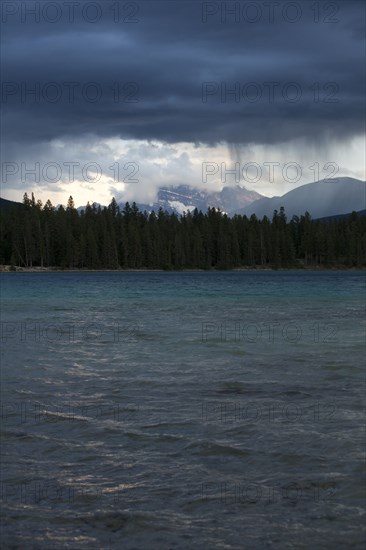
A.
x: 38, y: 269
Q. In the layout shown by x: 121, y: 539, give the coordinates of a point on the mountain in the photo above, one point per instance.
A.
x: 322, y: 199
x: 81, y: 208
x: 183, y: 198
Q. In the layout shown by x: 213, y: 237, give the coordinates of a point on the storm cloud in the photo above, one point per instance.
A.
x: 171, y: 85
x: 239, y: 72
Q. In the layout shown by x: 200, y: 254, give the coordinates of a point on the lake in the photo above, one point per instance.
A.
x: 162, y: 410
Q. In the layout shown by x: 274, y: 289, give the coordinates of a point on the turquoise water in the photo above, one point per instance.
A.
x: 183, y: 410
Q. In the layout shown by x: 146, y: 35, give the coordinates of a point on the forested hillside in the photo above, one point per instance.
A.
x: 33, y: 234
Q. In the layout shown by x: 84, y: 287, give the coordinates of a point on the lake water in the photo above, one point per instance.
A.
x: 151, y: 410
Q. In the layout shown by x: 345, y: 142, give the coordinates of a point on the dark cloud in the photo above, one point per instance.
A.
x: 172, y: 69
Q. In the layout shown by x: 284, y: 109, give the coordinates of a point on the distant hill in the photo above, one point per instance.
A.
x: 4, y: 203
x: 342, y: 216
x: 321, y: 199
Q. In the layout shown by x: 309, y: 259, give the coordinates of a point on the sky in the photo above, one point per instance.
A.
x: 114, y: 98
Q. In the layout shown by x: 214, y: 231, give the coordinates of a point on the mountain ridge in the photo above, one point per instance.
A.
x: 181, y: 198
x: 321, y: 199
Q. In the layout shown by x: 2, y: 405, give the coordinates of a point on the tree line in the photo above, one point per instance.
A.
x: 33, y: 234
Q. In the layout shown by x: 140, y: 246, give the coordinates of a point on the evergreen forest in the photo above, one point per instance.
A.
x: 33, y: 234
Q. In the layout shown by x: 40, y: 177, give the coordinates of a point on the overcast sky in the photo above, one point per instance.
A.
x: 117, y: 98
